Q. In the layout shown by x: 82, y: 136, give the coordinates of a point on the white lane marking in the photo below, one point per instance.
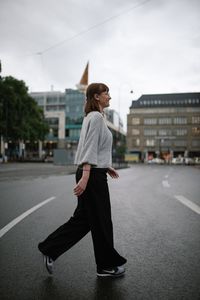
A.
x: 188, y: 203
x: 166, y: 176
x: 165, y: 183
x: 22, y: 216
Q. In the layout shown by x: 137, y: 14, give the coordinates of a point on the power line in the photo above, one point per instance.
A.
x: 92, y: 27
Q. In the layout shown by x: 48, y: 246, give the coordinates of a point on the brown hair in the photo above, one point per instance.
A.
x: 91, y: 103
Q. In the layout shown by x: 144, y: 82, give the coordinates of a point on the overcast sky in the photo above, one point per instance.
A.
x: 150, y: 46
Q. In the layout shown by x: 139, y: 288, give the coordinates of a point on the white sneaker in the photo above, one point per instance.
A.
x: 114, y: 272
x: 48, y: 262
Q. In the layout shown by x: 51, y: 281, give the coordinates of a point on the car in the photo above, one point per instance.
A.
x: 189, y: 161
x: 177, y: 160
x: 156, y: 161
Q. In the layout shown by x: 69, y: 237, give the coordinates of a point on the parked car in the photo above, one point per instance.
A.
x: 189, y: 161
x: 156, y: 161
x: 177, y: 160
x: 197, y: 160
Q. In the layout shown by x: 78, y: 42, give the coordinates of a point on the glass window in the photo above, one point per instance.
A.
x: 150, y: 142
x: 135, y: 121
x: 164, y: 120
x: 52, y: 121
x: 180, y: 120
x: 150, y: 131
x: 165, y: 132
x: 180, y: 131
x: 150, y: 121
x: 196, y: 120
x: 196, y: 130
x: 135, y: 142
x: 196, y: 143
x: 180, y: 143
x: 51, y: 100
x: 135, y: 132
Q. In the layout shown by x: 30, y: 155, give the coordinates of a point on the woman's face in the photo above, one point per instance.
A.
x: 104, y: 99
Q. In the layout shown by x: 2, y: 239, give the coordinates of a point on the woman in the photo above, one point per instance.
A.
x: 93, y: 212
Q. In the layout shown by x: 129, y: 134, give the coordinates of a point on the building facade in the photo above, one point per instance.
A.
x: 165, y: 126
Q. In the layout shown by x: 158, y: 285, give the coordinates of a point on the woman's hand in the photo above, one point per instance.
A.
x: 81, y: 186
x: 112, y: 172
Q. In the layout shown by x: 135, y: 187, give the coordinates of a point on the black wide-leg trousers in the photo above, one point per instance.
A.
x: 93, y: 213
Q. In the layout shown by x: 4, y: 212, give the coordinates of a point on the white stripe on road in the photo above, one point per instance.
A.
x: 22, y: 216
x: 188, y: 203
x: 166, y: 176
x: 165, y: 183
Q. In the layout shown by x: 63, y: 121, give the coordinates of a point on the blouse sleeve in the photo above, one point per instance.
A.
x: 90, y: 143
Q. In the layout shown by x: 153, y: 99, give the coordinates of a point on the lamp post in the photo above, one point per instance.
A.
x: 120, y: 145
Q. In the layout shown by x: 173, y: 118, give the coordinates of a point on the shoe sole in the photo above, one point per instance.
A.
x: 110, y: 275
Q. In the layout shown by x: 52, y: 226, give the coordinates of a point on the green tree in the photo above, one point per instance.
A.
x: 20, y: 116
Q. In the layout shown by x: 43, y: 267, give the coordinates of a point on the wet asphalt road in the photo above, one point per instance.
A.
x: 158, y: 235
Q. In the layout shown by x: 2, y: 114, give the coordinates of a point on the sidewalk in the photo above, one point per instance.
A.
x: 9, y: 171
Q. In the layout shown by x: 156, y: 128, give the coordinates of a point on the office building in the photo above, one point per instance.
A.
x: 165, y: 126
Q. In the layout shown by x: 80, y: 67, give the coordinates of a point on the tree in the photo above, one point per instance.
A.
x: 20, y: 116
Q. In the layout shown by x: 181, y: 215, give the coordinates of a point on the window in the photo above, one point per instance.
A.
x: 165, y: 143
x: 150, y: 121
x: 135, y: 121
x: 164, y: 120
x: 66, y: 132
x: 52, y: 121
x: 55, y: 132
x: 196, y: 120
x: 180, y: 143
x: 180, y: 131
x: 196, y: 143
x: 74, y: 133
x: 135, y: 142
x: 196, y: 130
x: 150, y: 132
x: 135, y: 132
x: 51, y: 100
x: 150, y: 143
x: 165, y: 132
x: 180, y: 120
x: 62, y: 100
x: 50, y: 108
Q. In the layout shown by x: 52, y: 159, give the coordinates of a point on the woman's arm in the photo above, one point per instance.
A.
x: 81, y: 185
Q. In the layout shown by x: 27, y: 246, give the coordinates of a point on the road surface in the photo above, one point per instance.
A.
x: 156, y: 217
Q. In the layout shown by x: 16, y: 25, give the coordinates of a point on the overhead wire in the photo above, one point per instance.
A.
x: 93, y: 27
x: 40, y: 53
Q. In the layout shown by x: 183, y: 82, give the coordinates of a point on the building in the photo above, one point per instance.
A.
x: 64, y: 114
x: 165, y: 126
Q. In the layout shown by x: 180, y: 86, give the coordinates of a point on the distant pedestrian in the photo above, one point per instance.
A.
x: 93, y: 212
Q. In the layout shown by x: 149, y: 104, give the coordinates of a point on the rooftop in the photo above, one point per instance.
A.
x: 167, y: 100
